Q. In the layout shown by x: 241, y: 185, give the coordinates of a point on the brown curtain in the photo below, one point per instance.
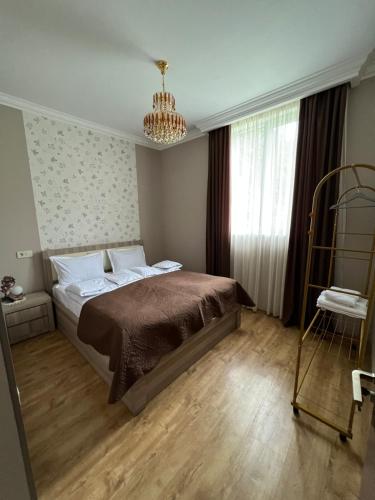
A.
x: 320, y: 132
x: 218, y: 203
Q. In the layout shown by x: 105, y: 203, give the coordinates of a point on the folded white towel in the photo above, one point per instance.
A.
x: 123, y: 278
x: 147, y: 271
x: 342, y: 298
x: 87, y: 288
x: 358, y: 311
x: 168, y: 264
x: 347, y: 290
x: 172, y: 269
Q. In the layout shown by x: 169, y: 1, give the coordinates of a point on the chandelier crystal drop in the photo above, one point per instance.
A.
x: 163, y: 125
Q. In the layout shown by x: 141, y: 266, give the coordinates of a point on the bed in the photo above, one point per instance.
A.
x: 167, y: 369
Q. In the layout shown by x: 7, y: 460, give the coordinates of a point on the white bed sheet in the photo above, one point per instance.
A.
x: 74, y: 302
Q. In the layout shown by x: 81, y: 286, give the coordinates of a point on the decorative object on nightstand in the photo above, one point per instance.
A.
x: 28, y: 317
x: 10, y: 291
x: 7, y: 283
x: 16, y: 293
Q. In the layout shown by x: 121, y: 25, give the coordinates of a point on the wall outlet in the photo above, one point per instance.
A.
x: 24, y: 254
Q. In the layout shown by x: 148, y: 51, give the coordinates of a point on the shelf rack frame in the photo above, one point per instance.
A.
x: 368, y: 293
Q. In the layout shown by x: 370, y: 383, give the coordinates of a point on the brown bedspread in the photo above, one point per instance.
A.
x: 137, y: 324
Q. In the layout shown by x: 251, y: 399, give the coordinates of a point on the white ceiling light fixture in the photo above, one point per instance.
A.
x: 163, y: 125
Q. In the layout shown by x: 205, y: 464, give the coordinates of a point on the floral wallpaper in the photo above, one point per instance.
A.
x: 84, y: 183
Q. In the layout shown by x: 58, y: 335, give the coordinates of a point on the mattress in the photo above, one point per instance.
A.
x: 74, y: 304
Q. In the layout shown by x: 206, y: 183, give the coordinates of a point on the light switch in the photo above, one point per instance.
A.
x: 24, y: 254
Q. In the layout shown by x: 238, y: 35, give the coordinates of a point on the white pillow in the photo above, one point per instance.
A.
x: 71, y: 269
x: 126, y: 258
x: 167, y: 264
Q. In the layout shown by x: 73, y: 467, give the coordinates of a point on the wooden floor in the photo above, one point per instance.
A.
x: 223, y: 430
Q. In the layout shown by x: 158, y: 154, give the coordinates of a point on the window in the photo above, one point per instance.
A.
x: 263, y: 151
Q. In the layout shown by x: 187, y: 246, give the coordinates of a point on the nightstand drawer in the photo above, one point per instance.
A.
x: 26, y: 330
x: 26, y: 315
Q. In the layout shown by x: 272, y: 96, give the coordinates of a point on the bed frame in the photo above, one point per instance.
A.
x: 169, y: 367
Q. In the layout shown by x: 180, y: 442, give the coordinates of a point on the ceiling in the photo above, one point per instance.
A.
x: 94, y: 59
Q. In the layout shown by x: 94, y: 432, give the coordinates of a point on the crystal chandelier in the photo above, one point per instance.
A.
x: 164, y: 125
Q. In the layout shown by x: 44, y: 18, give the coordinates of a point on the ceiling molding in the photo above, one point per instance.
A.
x: 346, y: 71
x: 368, y: 69
x: 24, y: 105
x: 353, y: 70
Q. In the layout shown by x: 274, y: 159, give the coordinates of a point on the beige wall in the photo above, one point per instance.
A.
x: 184, y: 192
x: 150, y: 202
x: 19, y: 230
x: 361, y: 123
x: 360, y: 149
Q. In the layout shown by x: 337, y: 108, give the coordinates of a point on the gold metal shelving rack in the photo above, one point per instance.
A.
x: 331, y: 337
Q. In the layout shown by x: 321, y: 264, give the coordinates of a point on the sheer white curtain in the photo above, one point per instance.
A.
x: 263, y: 154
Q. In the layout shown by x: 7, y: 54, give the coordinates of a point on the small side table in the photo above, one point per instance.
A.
x: 29, y: 317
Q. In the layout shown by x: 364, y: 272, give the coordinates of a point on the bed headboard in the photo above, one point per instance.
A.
x: 50, y: 276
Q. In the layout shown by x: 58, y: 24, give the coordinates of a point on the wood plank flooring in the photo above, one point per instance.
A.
x: 223, y: 430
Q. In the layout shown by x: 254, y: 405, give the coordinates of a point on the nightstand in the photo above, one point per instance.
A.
x: 29, y: 317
